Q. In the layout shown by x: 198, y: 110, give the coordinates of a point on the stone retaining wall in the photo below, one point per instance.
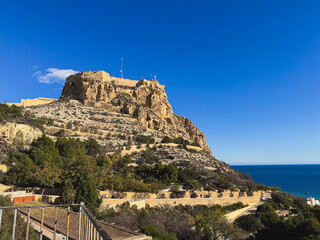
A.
x: 184, y: 194
x: 183, y: 201
x: 112, y: 199
x: 33, y: 102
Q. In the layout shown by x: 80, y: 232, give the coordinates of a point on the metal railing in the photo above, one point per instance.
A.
x: 88, y: 227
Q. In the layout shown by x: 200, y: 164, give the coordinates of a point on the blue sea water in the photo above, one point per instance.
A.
x: 300, y: 180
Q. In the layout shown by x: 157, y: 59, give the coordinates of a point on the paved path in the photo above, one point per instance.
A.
x: 243, y: 211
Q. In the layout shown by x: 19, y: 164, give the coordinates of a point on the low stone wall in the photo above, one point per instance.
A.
x: 112, y: 199
x: 37, y: 197
x: 201, y: 201
x: 184, y: 194
x: 16, y: 194
x: 183, y: 201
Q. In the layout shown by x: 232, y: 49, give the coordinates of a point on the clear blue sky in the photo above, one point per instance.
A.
x: 245, y: 72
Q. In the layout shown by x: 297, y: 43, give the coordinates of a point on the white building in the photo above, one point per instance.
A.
x: 312, y: 201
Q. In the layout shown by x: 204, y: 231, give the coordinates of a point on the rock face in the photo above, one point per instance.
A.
x: 143, y: 100
x: 11, y: 132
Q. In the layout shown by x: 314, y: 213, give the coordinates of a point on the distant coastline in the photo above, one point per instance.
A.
x: 279, y: 164
x: 298, y: 179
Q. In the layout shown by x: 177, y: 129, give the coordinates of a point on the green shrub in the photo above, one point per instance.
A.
x: 69, y: 125
x: 249, y: 223
x: 144, y: 139
x: 156, y: 234
x: 50, y: 122
x: 167, y: 139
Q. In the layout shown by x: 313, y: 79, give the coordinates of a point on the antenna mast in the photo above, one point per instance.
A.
x: 121, y: 70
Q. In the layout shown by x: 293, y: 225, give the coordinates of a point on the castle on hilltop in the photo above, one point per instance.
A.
x: 97, y: 75
x: 33, y: 102
x: 105, y: 77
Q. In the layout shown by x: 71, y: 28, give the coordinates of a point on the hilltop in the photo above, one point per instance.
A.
x: 127, y: 117
x: 146, y: 101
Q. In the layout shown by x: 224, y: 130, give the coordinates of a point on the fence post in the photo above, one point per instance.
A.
x: 0, y: 218
x: 55, y: 224
x: 41, y: 226
x: 68, y: 222
x: 80, y: 222
x: 28, y: 224
x: 14, y: 223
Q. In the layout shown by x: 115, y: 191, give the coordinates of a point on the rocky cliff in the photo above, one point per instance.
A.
x: 144, y: 100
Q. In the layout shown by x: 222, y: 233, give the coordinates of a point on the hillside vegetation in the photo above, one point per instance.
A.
x: 284, y: 217
x: 76, y: 169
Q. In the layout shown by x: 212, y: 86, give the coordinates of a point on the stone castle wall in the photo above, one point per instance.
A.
x: 33, y: 102
x: 124, y: 82
x: 160, y: 199
x: 184, y: 201
x: 117, y: 81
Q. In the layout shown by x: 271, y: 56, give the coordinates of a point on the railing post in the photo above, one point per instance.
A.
x: 0, y: 218
x: 94, y: 224
x: 91, y: 232
x: 87, y: 230
x: 14, y: 223
x: 82, y: 226
x: 55, y: 224
x: 28, y: 224
x: 80, y: 216
x: 68, y: 222
x: 41, y: 226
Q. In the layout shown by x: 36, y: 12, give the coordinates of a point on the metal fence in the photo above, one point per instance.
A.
x: 88, y: 227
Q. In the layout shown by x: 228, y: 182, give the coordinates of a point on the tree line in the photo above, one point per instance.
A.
x: 299, y: 221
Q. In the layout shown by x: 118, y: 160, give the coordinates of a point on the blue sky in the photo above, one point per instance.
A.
x: 245, y: 72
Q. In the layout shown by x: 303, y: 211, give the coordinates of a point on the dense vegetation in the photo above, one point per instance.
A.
x: 14, y: 113
x: 298, y: 220
x: 7, y: 222
x: 9, y: 112
x: 78, y: 168
x: 188, y: 177
x: 179, y: 222
x: 67, y: 164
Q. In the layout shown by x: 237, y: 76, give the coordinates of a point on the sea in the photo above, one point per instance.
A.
x: 300, y: 180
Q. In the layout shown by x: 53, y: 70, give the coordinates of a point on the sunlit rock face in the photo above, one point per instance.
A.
x: 143, y: 100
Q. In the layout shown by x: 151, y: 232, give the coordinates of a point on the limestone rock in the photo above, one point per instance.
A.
x: 14, y: 131
x: 144, y: 100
